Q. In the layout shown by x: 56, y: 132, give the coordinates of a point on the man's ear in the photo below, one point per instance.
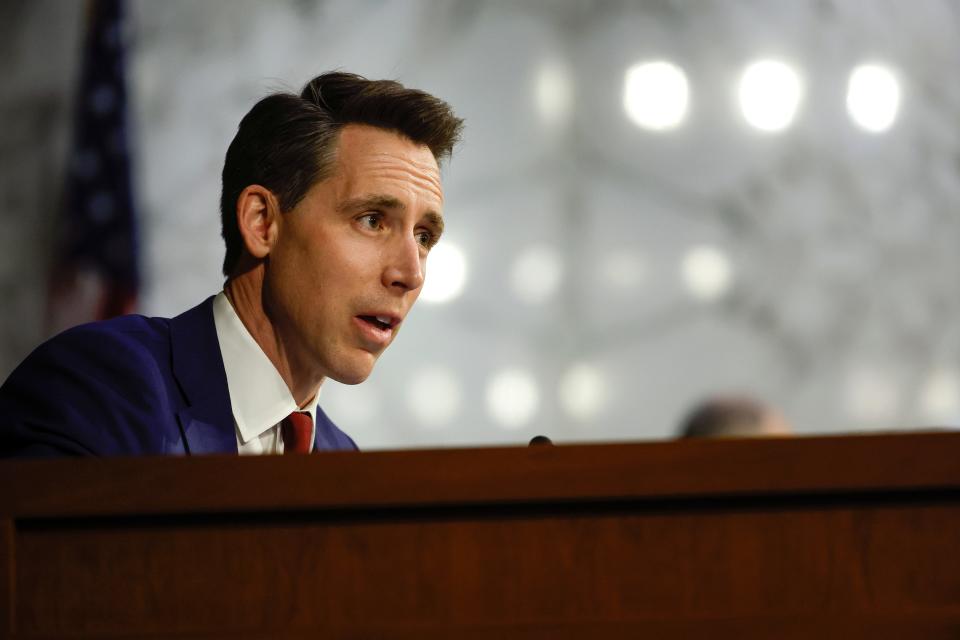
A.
x: 257, y: 217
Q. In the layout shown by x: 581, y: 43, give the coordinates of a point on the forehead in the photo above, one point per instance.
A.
x: 371, y: 157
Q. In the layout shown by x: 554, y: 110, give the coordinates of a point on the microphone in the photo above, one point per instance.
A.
x: 539, y: 441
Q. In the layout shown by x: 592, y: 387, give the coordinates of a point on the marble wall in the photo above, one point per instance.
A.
x: 614, y: 275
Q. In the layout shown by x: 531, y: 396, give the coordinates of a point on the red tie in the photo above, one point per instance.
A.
x: 297, y: 429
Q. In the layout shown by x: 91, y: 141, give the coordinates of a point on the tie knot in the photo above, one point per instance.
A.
x: 297, y: 429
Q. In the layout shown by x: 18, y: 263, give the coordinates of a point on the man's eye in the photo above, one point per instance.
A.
x: 425, y: 238
x: 371, y: 220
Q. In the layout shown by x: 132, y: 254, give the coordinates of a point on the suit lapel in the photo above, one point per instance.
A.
x: 207, y: 421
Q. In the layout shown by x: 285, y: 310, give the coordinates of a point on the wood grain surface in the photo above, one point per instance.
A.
x: 821, y: 537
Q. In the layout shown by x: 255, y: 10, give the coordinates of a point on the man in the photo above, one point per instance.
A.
x: 331, y: 201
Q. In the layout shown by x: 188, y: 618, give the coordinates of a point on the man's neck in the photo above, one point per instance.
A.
x: 245, y: 293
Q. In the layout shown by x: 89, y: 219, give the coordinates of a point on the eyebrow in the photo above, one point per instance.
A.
x: 388, y: 202
x: 436, y: 220
x: 367, y: 202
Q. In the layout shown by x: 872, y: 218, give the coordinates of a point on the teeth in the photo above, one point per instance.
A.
x: 384, y: 320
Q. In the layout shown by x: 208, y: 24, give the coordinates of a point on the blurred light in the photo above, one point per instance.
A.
x: 434, y: 397
x: 622, y: 270
x: 512, y: 398
x: 770, y: 93
x: 656, y: 95
x: 536, y: 274
x: 446, y: 273
x: 873, y: 97
x: 350, y: 404
x: 706, y: 272
x: 583, y: 392
x: 872, y: 396
x: 554, y: 93
x: 940, y: 397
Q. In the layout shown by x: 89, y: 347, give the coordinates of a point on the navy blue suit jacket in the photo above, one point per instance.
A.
x: 129, y: 386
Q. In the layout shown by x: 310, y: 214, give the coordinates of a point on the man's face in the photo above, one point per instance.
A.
x: 350, y: 258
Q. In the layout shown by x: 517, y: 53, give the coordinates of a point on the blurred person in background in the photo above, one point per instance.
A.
x: 733, y: 417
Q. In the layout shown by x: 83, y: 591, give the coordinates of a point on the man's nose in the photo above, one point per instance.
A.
x: 404, y: 267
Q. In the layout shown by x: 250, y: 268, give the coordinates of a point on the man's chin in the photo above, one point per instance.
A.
x: 354, y: 373
x: 350, y: 379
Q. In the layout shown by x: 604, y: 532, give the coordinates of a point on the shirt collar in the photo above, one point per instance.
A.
x: 258, y: 395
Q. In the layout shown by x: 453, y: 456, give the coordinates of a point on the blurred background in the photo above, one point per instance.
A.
x: 654, y: 201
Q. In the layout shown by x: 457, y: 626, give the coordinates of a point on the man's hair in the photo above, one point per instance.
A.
x: 288, y: 142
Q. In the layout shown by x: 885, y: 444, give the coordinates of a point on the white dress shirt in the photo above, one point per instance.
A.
x: 259, y: 397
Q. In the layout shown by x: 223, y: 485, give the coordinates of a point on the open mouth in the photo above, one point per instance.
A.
x: 378, y: 321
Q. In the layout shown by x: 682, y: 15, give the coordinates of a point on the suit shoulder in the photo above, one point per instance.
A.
x: 133, y: 339
x: 79, y: 390
x: 132, y: 328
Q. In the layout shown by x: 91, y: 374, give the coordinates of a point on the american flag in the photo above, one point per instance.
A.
x: 94, y: 274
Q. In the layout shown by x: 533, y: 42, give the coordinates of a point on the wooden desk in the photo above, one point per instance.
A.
x: 792, y: 538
